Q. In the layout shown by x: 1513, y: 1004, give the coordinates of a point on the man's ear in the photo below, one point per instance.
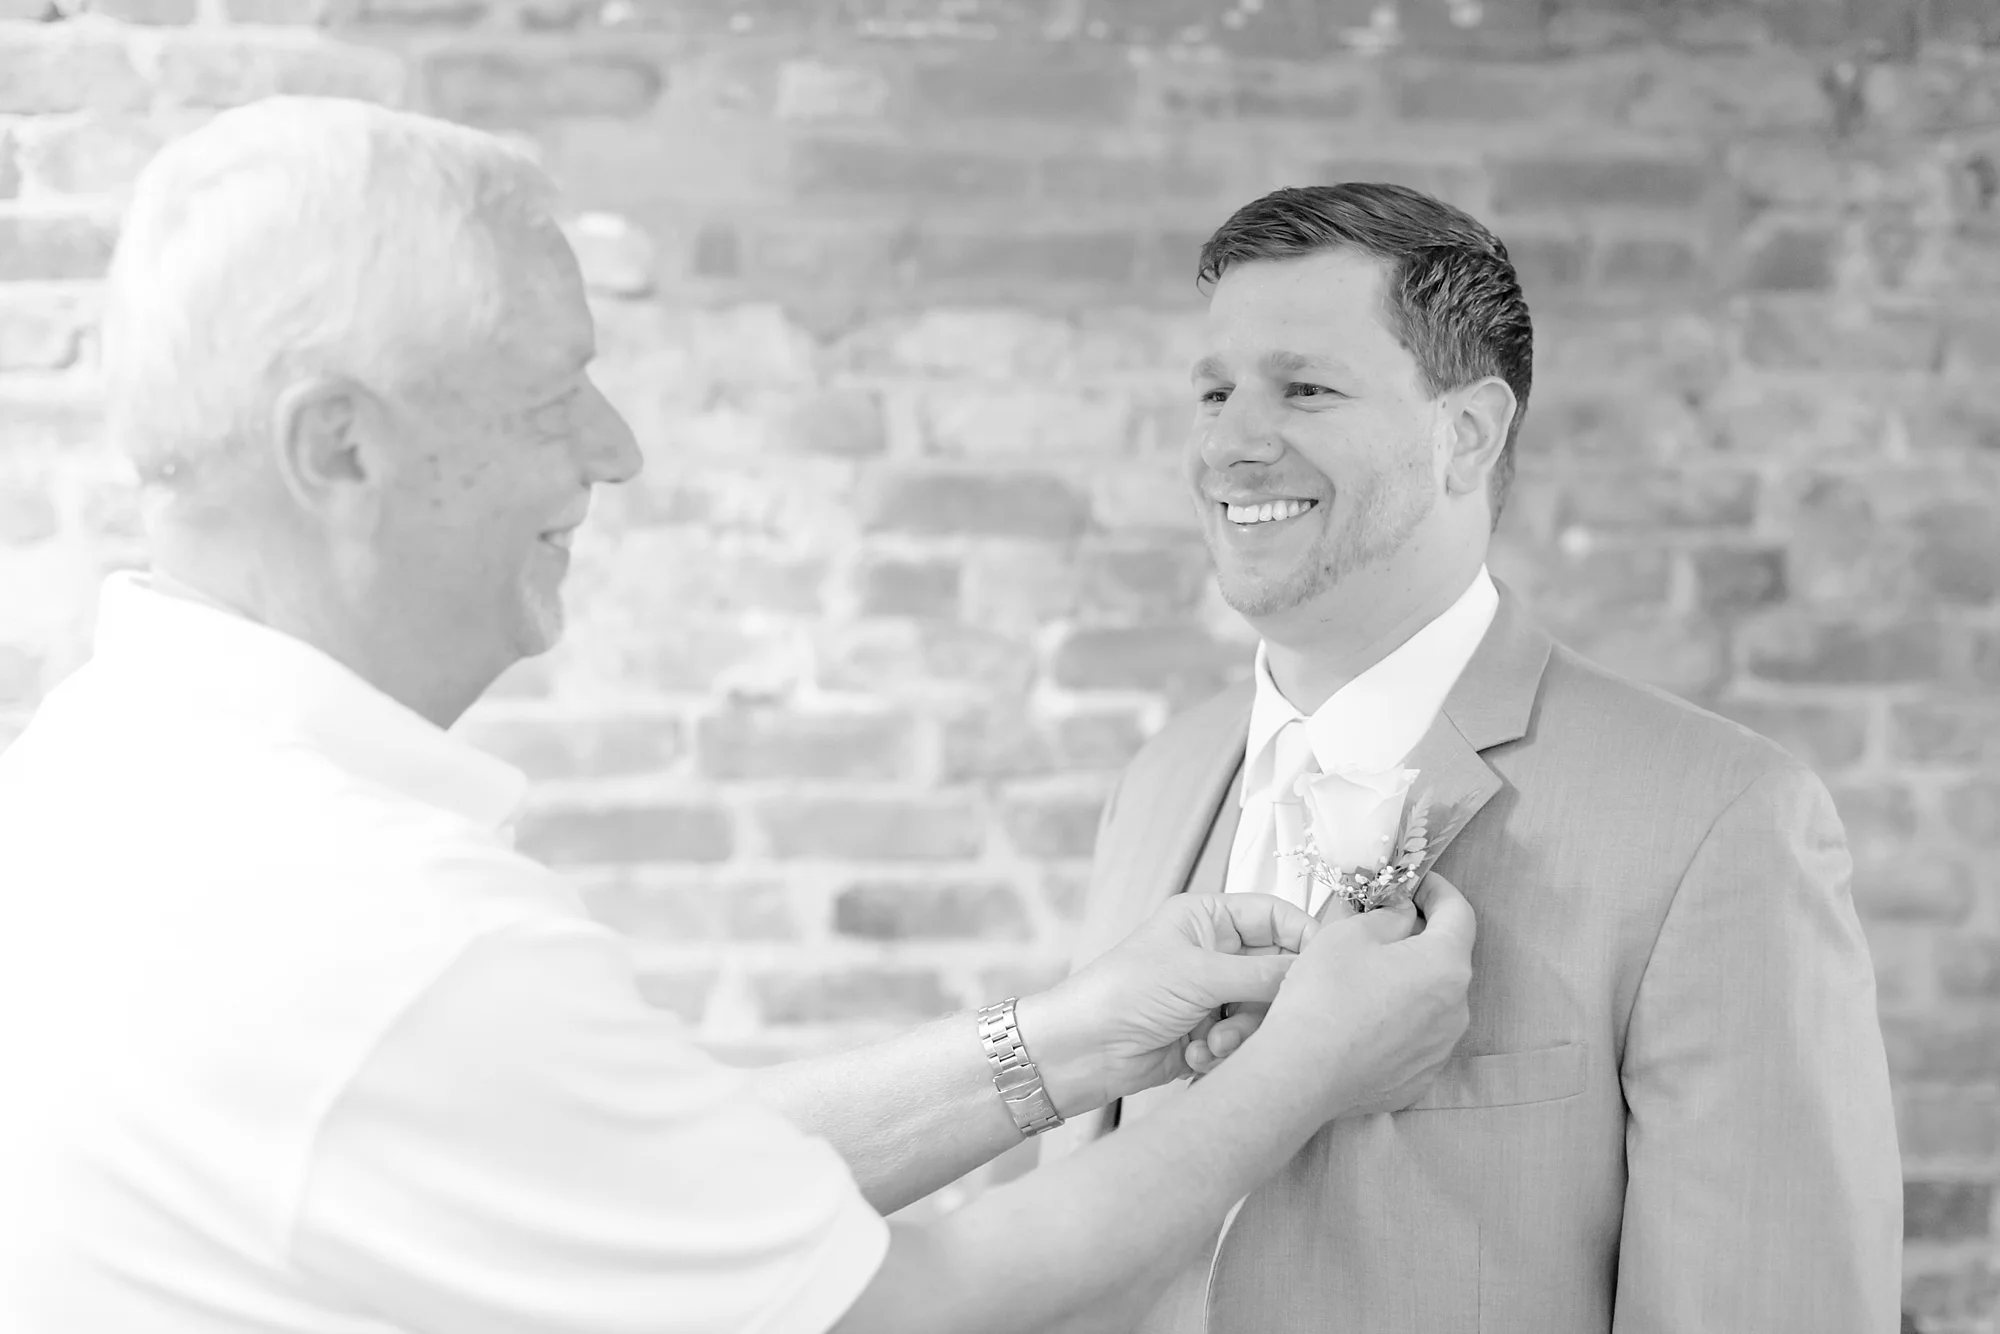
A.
x: 324, y: 433
x: 1481, y: 415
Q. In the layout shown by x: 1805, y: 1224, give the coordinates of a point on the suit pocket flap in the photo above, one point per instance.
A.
x: 1506, y: 1078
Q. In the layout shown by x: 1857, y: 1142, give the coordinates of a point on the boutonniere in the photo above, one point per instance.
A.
x: 1367, y: 837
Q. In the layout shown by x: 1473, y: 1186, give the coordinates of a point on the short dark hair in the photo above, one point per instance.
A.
x: 1453, y: 298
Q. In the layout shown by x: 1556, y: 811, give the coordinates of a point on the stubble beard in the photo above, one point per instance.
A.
x: 1386, y: 512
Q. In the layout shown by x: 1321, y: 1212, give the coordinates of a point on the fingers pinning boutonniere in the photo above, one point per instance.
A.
x: 1367, y: 838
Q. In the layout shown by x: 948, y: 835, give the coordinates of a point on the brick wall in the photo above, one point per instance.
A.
x: 897, y: 294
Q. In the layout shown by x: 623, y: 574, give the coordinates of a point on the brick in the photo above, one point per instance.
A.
x: 717, y: 252
x: 1947, y: 1210
x: 615, y: 835
x: 157, y: 12
x: 1897, y: 884
x: 490, y: 87
x: 58, y: 67
x: 992, y: 742
x: 1150, y: 583
x: 1657, y: 498
x: 648, y: 909
x: 1149, y: 503
x: 27, y: 515
x: 1734, y: 580
x: 773, y: 744
x: 1971, y: 1292
x: 810, y: 89
x: 890, y: 586
x: 1958, y: 556
x: 1052, y: 826
x: 1093, y: 178
x: 831, y: 167
x: 1633, y: 424
x: 1317, y: 91
x: 1546, y: 264
x: 1973, y: 812
x: 277, y: 13
x: 837, y: 423
x: 617, y: 258
x: 684, y: 993
x: 1179, y: 660
x: 1959, y: 1046
x: 414, y: 13
x: 1811, y: 336
x: 1578, y: 586
x: 581, y: 747
x: 874, y: 910
x: 1019, y: 586
x: 1683, y: 352
x: 230, y: 68
x: 1724, y: 95
x: 1686, y: 656
x: 1820, y: 424
x: 701, y: 654
x: 1826, y: 737
x: 966, y: 422
x: 1880, y: 820
x: 947, y: 504
x: 32, y: 11
x: 10, y: 167
x: 1948, y: 1122
x: 973, y: 343
x: 1649, y: 262
x: 100, y: 155
x: 1943, y: 730
x: 1969, y: 967
x: 1797, y: 650
x: 1002, y: 262
x: 1790, y: 259
x: 907, y: 995
x: 57, y: 246
x: 1540, y: 183
x: 987, y: 84
x: 885, y: 830
x: 41, y: 326
x: 1981, y: 654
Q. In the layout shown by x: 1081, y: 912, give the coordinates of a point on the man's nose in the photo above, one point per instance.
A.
x: 610, y: 452
x: 1245, y: 431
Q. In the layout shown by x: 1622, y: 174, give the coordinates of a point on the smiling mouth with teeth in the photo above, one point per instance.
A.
x: 1269, y: 512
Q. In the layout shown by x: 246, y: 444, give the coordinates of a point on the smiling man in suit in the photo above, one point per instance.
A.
x: 1671, y: 1112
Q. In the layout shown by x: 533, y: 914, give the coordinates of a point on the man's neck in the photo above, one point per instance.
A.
x: 1311, y: 658
x: 423, y: 692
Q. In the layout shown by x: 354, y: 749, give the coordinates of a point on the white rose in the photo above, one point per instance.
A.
x: 1356, y: 816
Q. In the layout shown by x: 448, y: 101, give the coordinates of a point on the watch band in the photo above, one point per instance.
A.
x: 1014, y: 1074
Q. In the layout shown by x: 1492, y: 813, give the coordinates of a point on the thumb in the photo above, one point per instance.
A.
x: 1225, y: 979
x: 1388, y: 925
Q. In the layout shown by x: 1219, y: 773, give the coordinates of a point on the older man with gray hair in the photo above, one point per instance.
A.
x: 297, y: 1043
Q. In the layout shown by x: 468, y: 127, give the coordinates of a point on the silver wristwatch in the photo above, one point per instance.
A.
x: 1019, y: 1082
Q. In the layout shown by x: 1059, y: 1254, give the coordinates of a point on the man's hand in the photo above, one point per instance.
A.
x: 1124, y: 1022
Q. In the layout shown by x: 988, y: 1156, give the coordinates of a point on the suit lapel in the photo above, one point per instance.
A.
x: 1211, y: 867
x: 1491, y: 704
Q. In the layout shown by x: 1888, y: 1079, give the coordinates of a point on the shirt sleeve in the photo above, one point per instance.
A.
x: 534, y: 1149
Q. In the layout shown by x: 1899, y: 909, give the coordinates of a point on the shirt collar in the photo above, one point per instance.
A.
x: 223, y: 666
x: 1374, y: 720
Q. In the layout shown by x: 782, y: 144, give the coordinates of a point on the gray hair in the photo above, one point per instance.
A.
x: 296, y: 237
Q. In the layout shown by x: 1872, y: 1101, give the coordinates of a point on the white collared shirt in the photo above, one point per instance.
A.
x: 1372, y: 723
x: 295, y: 1042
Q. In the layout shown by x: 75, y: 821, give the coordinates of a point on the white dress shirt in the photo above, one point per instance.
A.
x: 296, y: 1043
x: 1372, y: 724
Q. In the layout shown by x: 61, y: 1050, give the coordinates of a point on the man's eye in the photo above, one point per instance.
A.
x: 1214, y: 395
x: 1306, y: 390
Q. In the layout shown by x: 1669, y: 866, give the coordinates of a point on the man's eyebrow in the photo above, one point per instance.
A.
x: 1287, y: 363
x: 1208, y: 368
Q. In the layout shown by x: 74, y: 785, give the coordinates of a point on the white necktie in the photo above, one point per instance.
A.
x: 1281, y: 823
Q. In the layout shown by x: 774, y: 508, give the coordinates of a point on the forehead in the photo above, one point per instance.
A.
x: 1326, y: 303
x: 545, y: 318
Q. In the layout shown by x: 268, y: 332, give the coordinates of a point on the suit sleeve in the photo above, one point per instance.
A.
x: 1764, y: 1191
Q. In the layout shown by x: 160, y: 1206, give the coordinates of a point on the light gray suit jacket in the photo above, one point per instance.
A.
x: 1671, y: 1112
